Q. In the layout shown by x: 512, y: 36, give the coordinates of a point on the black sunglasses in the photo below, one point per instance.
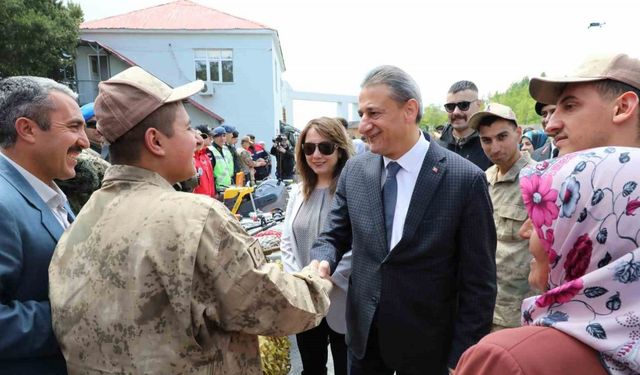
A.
x: 463, y: 105
x: 325, y: 148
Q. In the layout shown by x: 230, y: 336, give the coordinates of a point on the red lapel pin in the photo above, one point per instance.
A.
x: 435, y: 169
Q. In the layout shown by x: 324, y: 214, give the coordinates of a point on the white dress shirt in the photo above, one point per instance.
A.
x: 411, y: 163
x: 51, y: 195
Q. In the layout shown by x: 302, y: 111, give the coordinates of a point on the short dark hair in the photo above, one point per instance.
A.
x: 489, y: 120
x: 462, y: 86
x: 26, y: 97
x: 610, y: 89
x: 203, y: 129
x: 127, y: 148
x: 344, y: 122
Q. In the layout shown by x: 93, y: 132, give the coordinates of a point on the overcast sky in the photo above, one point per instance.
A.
x: 329, y: 45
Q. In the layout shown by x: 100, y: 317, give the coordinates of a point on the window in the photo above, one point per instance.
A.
x: 102, y: 73
x: 214, y: 65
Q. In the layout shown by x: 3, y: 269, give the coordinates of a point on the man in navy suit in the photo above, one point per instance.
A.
x: 419, y: 221
x: 41, y: 135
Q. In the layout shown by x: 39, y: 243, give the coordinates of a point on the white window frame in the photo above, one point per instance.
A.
x: 210, y: 55
x: 99, y: 60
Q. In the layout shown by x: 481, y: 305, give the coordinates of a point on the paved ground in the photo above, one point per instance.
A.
x: 296, y: 364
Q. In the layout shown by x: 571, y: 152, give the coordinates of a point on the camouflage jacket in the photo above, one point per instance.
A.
x: 512, y: 252
x: 148, y: 280
x: 89, y: 174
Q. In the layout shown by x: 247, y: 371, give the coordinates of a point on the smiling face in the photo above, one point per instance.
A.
x: 322, y: 165
x: 389, y: 126
x: 526, y: 145
x: 582, y: 119
x: 458, y: 118
x: 180, y: 148
x: 58, y: 147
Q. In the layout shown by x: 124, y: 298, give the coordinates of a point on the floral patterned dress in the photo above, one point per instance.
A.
x: 583, y: 207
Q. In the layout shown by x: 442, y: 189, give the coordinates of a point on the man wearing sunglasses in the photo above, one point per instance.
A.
x: 418, y: 220
x: 457, y: 136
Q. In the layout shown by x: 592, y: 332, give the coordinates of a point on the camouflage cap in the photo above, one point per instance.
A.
x: 130, y: 96
x: 493, y: 109
x: 618, y: 67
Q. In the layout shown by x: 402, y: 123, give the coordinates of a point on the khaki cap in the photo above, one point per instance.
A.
x: 130, y: 96
x: 493, y: 109
x: 618, y: 67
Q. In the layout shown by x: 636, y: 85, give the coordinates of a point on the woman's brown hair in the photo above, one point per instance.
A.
x: 334, y: 132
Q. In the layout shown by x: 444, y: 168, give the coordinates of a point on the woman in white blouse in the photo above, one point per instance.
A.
x: 321, y: 152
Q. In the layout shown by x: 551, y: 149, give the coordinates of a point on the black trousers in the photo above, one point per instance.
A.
x: 313, y: 350
x: 372, y: 362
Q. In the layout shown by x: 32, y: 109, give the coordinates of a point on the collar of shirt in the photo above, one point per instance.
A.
x: 412, y: 160
x: 512, y: 174
x: 51, y: 195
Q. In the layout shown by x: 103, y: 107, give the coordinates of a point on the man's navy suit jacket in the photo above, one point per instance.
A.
x: 433, y: 295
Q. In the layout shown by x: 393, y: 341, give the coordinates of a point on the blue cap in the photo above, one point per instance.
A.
x: 87, y: 111
x: 229, y: 128
x: 219, y: 131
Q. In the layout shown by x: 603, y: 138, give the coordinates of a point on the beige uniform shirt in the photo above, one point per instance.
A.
x: 152, y: 281
x: 512, y: 253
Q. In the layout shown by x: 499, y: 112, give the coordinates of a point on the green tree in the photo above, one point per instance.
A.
x: 433, y: 116
x: 38, y: 37
x: 517, y: 97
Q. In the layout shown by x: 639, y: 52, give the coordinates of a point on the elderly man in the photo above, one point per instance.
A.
x: 457, y: 136
x: 153, y: 281
x: 500, y: 136
x: 41, y: 136
x: 418, y: 219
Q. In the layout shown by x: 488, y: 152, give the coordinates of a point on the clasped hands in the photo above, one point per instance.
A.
x: 322, y: 268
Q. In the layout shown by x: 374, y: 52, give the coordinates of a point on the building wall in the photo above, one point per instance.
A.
x: 251, y: 103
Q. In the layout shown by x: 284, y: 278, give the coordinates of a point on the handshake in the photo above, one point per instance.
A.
x: 322, y: 268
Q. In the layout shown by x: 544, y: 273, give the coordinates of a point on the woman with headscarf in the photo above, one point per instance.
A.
x: 532, y: 140
x: 586, y: 247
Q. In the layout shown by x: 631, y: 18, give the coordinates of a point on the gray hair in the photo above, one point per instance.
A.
x: 26, y: 96
x: 403, y: 87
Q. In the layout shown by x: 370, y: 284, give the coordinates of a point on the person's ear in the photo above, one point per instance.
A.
x: 411, y: 110
x: 154, y: 142
x: 26, y: 129
x: 625, y: 107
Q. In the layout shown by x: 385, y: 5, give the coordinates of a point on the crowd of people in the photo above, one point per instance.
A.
x: 411, y: 257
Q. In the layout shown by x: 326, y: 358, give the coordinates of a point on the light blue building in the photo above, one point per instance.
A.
x: 240, y: 61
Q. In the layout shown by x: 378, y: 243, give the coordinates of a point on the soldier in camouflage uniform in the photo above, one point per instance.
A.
x: 500, y: 137
x: 153, y: 281
x: 90, y: 171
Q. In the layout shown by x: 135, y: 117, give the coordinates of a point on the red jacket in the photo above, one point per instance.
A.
x: 205, y: 173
